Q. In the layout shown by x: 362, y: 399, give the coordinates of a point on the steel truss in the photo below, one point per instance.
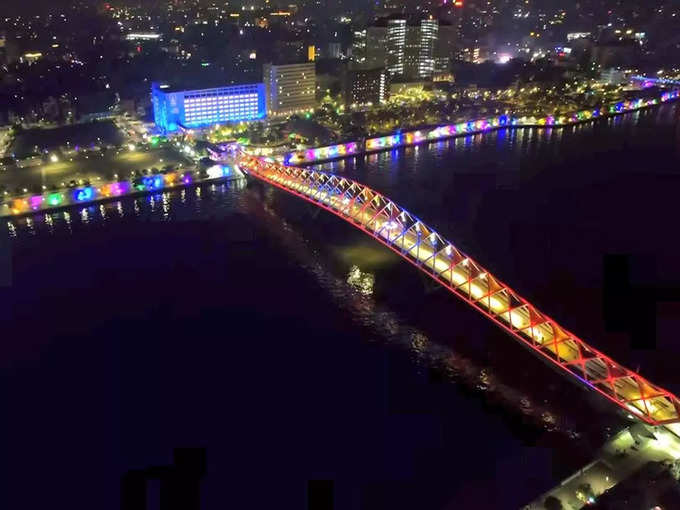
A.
x: 423, y: 247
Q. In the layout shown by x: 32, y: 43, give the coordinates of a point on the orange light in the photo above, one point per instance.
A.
x: 19, y: 205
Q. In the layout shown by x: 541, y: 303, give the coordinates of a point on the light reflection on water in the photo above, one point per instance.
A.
x: 354, y: 296
x: 386, y: 326
x: 391, y: 330
x: 164, y: 206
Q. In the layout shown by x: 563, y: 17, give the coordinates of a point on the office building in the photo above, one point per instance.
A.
x: 365, y: 87
x: 396, y: 46
x: 428, y: 36
x: 376, y: 42
x: 408, y: 47
x: 175, y: 109
x: 448, y: 38
x: 358, y: 53
x: 290, y: 88
x: 334, y: 50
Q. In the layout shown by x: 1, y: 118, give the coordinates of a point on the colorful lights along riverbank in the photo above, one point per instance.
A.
x: 400, y: 138
x: 86, y: 194
x: 145, y: 184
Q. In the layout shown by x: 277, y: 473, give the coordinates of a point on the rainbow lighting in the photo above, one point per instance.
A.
x: 438, y: 258
x: 383, y: 142
x: 114, y: 189
x: 473, y: 126
x: 321, y: 153
x: 84, y: 194
x: 23, y: 205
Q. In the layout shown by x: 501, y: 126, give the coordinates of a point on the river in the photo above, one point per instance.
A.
x: 293, y: 347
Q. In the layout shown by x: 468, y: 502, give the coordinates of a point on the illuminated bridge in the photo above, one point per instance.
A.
x: 423, y: 247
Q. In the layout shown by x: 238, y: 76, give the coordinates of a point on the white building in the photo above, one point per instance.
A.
x: 290, y: 88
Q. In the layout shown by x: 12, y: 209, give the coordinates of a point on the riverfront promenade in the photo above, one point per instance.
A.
x: 618, y: 459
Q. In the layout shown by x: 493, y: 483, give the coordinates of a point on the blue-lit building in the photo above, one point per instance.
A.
x: 175, y: 109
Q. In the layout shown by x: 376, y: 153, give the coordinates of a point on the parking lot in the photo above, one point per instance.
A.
x: 92, y: 166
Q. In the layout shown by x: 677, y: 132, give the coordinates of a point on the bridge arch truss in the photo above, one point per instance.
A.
x: 430, y: 252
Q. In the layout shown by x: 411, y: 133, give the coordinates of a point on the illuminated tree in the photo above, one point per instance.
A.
x: 585, y: 493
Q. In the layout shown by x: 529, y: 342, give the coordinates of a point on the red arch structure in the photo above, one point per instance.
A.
x: 426, y: 249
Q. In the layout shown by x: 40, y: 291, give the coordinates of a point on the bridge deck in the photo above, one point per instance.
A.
x: 430, y: 252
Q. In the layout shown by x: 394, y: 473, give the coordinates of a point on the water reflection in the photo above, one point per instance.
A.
x: 353, y: 291
x: 363, y: 282
x: 164, y: 206
x: 393, y: 331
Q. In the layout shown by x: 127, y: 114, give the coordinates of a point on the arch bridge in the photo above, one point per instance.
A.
x: 431, y: 253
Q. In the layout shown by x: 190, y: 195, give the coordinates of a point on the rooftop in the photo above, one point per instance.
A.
x: 170, y: 88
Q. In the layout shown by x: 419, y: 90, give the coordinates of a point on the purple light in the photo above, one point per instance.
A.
x: 36, y: 201
x: 119, y: 188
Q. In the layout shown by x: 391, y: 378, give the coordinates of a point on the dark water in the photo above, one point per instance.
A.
x: 222, y: 317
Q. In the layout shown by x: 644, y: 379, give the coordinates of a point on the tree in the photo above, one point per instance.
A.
x: 584, y: 492
x: 552, y: 503
x: 675, y: 469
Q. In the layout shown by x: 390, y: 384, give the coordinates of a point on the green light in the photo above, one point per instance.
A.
x: 54, y: 199
x: 140, y: 187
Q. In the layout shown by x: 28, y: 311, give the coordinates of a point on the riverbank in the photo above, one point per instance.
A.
x: 31, y: 204
x: 472, y: 127
x: 622, y: 456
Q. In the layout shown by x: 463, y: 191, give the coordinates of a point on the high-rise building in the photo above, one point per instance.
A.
x: 396, y: 45
x: 445, y: 46
x: 376, y: 43
x: 408, y: 47
x: 334, y: 50
x: 359, y: 47
x: 174, y: 109
x: 429, y: 33
x: 365, y: 86
x: 290, y: 88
